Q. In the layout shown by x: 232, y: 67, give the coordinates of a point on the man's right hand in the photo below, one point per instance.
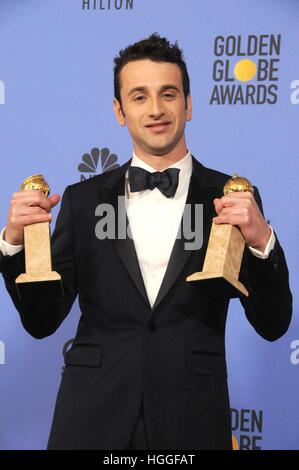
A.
x: 27, y: 207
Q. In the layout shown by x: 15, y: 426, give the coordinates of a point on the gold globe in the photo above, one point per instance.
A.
x: 36, y: 182
x: 237, y: 184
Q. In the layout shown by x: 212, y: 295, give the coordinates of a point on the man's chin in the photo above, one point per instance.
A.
x: 160, y: 151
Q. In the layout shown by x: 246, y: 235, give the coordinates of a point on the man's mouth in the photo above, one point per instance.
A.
x: 158, y: 126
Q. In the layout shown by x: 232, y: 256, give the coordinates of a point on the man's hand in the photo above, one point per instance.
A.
x: 27, y: 207
x: 240, y: 208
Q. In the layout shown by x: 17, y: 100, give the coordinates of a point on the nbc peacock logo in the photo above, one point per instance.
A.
x: 89, y: 166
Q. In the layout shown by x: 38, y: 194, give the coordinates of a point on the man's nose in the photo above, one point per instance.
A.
x: 156, y: 108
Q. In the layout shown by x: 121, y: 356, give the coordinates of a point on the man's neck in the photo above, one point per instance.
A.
x: 161, y: 162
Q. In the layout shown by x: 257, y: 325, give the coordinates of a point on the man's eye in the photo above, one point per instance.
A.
x: 168, y: 96
x: 139, y: 98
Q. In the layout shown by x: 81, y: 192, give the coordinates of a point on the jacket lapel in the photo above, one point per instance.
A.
x: 113, y: 192
x: 197, y: 194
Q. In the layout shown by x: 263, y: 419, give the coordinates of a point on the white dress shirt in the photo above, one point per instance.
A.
x: 154, y: 221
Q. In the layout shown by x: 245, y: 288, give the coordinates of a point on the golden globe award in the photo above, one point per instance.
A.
x: 37, y: 245
x: 226, y: 246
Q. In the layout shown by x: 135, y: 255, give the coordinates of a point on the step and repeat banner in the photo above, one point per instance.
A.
x: 56, y: 118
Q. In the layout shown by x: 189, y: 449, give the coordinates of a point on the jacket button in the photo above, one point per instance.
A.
x: 152, y: 326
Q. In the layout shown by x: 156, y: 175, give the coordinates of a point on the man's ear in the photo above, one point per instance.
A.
x: 188, y: 108
x: 119, y: 114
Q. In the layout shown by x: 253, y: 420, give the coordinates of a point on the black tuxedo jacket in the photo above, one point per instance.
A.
x: 172, y: 355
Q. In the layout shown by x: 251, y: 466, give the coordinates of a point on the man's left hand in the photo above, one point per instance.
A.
x: 241, y: 209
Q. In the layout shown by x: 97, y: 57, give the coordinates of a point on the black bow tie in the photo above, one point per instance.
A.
x: 166, y: 181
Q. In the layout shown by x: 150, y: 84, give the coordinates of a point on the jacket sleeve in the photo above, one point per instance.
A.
x: 41, y: 314
x: 269, y: 305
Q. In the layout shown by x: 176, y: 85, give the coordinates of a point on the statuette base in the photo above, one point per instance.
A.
x: 223, y: 257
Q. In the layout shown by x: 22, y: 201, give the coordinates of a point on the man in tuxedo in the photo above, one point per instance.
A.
x: 147, y: 368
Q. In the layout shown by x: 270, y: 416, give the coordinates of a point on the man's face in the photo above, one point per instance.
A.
x: 154, y: 107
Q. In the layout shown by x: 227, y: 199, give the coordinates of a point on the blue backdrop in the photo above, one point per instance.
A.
x: 56, y: 117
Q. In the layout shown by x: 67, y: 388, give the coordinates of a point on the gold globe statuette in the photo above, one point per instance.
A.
x: 237, y: 184
x: 36, y: 182
x: 225, y: 247
x: 39, y: 278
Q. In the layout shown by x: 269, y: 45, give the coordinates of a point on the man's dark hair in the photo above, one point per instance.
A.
x: 156, y: 49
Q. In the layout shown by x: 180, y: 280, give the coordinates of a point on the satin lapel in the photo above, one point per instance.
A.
x: 197, y: 194
x: 114, y: 193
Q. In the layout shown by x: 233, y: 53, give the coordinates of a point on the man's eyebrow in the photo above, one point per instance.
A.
x: 143, y: 89
x: 170, y: 87
x: 137, y: 88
